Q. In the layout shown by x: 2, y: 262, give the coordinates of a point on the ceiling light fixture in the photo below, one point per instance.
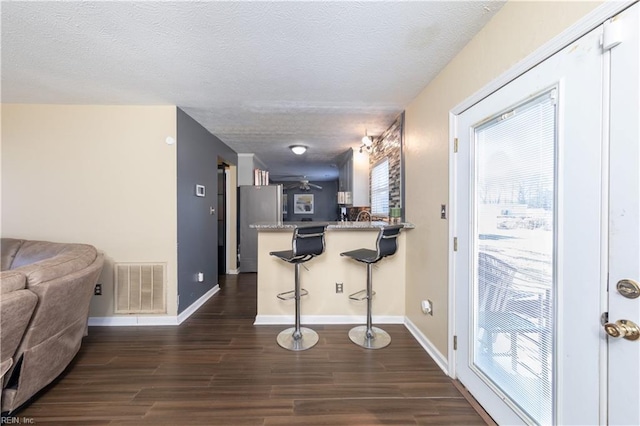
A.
x: 367, y: 142
x: 298, y: 149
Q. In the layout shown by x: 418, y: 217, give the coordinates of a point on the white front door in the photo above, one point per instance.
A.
x: 536, y: 238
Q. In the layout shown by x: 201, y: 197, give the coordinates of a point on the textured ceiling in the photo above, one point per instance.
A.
x: 259, y: 75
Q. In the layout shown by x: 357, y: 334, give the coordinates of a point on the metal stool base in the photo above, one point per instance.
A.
x: 358, y: 335
x: 308, y: 339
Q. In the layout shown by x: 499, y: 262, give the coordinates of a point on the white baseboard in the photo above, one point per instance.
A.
x: 153, y: 320
x: 233, y: 271
x: 133, y: 320
x: 437, y: 356
x: 326, y: 319
x: 195, y: 305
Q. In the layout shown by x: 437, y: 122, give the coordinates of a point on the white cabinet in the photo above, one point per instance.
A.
x: 353, y: 177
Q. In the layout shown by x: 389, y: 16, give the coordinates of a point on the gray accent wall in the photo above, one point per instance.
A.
x: 197, y: 158
x: 325, y: 202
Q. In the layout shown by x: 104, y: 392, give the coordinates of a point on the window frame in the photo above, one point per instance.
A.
x: 380, y: 189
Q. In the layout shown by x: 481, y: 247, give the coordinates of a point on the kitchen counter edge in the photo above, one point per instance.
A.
x: 331, y: 226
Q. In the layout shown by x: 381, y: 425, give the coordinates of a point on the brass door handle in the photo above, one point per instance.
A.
x: 623, y: 328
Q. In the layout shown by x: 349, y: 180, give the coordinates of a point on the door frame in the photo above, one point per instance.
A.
x: 590, y: 21
x: 624, y: 189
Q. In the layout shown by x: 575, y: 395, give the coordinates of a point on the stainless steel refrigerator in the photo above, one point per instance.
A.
x: 257, y: 204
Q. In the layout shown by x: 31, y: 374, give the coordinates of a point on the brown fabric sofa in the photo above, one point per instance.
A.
x: 62, y: 278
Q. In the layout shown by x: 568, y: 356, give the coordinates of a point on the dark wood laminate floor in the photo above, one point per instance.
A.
x: 217, y: 368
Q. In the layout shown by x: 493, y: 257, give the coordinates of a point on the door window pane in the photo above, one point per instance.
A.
x: 514, y: 253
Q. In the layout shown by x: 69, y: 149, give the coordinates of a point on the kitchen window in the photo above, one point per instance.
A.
x: 380, y: 188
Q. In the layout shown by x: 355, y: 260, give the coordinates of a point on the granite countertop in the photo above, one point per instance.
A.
x: 336, y: 226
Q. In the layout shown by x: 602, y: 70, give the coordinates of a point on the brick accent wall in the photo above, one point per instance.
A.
x: 389, y: 145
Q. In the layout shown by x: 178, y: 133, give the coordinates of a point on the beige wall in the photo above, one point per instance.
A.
x: 515, y: 31
x: 101, y: 175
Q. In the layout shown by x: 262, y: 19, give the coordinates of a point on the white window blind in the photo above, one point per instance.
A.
x: 380, y: 188
x: 515, y: 220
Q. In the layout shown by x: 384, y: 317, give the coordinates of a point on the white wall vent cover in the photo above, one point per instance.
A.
x: 140, y: 288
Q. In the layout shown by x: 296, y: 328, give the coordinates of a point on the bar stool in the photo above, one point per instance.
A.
x: 367, y: 336
x: 308, y: 242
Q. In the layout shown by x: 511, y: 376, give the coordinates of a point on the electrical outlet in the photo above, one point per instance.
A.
x: 339, y: 288
x: 427, y: 307
x: 98, y: 290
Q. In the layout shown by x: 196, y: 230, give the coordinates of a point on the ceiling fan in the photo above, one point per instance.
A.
x: 303, y: 185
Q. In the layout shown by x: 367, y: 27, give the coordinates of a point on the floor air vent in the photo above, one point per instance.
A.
x: 140, y: 288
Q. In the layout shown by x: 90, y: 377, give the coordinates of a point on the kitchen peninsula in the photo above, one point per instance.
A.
x: 323, y: 305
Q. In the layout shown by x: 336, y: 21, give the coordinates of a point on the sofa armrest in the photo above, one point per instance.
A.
x: 8, y: 249
x: 16, y: 309
x: 61, y: 301
x: 11, y: 281
x: 64, y: 260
